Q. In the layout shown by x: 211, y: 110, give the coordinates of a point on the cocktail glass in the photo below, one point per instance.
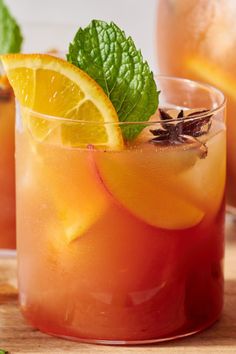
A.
x: 124, y: 247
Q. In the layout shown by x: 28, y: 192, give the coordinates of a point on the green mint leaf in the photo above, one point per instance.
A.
x: 110, y: 58
x: 10, y: 33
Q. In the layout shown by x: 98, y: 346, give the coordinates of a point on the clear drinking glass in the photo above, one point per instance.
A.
x: 124, y: 247
x: 197, y: 39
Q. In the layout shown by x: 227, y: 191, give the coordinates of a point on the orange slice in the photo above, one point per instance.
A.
x: 46, y: 85
x: 52, y: 86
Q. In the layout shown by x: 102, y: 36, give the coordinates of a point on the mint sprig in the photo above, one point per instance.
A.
x: 10, y: 33
x: 112, y: 60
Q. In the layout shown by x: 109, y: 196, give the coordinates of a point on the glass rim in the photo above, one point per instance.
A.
x: 196, y: 117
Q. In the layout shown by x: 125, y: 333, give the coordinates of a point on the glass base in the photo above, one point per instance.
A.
x: 7, y: 253
x: 133, y: 342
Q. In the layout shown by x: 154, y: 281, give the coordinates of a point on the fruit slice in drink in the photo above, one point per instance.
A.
x: 162, y: 185
x: 146, y: 183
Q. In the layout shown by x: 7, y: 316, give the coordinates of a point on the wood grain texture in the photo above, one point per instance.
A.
x: 17, y: 337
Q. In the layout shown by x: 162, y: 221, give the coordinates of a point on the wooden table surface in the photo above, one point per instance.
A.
x: 17, y: 337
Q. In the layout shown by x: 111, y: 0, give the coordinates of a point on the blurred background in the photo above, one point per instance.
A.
x: 52, y: 23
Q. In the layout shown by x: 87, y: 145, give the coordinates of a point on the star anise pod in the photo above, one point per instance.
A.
x: 182, y: 129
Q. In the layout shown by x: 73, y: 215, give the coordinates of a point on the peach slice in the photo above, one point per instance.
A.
x: 146, y: 182
x: 78, y: 205
x: 73, y: 207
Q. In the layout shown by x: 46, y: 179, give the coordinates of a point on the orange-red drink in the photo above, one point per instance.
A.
x: 7, y: 167
x: 197, y: 39
x: 123, y: 246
